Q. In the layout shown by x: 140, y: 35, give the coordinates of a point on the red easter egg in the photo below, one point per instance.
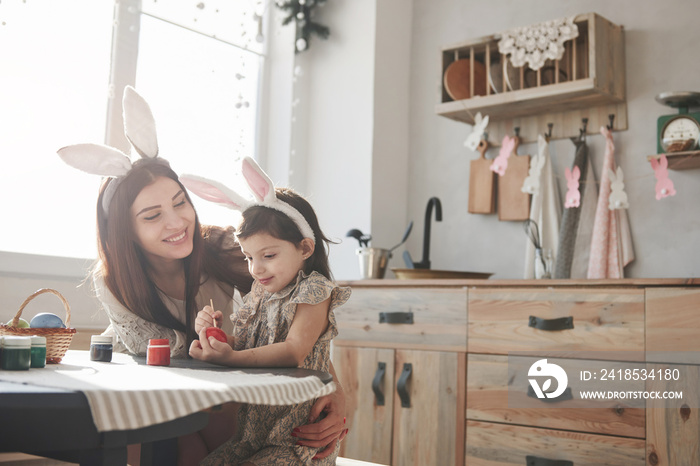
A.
x: 216, y: 333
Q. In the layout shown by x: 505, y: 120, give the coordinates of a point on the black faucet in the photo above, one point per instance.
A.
x: 432, y: 202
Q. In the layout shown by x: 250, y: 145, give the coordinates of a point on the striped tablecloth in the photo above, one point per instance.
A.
x: 127, y: 394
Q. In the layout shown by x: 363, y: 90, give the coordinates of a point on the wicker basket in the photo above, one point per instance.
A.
x: 57, y: 339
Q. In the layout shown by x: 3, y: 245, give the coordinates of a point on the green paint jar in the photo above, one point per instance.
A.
x: 16, y: 353
x: 38, y: 351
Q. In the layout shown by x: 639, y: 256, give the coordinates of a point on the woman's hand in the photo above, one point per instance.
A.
x: 328, y: 431
x: 208, y: 317
x: 212, y: 350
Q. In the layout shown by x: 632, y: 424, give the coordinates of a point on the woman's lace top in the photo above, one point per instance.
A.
x: 131, y: 332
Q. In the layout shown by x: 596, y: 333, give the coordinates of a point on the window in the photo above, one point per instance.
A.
x: 198, y: 66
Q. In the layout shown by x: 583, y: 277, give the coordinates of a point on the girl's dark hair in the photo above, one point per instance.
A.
x: 124, y: 266
x: 260, y: 219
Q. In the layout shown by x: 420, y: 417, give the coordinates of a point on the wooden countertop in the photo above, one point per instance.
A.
x: 449, y: 283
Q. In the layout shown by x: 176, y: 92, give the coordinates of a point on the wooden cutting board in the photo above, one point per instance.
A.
x: 482, y: 198
x: 513, y: 204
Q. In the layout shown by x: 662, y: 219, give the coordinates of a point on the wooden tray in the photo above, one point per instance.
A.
x: 406, y: 274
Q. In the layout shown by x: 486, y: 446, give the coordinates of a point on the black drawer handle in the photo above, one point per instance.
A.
x: 395, y: 317
x: 566, y: 395
x: 401, y: 385
x: 376, y: 388
x: 537, y: 461
x: 562, y: 323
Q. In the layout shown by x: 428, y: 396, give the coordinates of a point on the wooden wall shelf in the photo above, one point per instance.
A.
x: 681, y: 160
x: 587, y: 82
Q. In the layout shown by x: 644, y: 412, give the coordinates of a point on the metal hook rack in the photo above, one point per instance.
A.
x: 611, y: 117
x: 582, y: 131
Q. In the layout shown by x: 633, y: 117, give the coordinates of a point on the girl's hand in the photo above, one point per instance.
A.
x: 208, y: 317
x: 212, y: 350
x: 328, y: 431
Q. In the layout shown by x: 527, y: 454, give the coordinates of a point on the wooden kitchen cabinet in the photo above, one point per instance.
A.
x: 400, y: 355
x: 464, y: 339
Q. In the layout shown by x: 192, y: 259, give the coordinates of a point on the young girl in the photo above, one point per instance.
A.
x: 287, y: 318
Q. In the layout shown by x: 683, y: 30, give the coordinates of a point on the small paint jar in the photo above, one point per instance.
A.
x: 101, y: 348
x: 38, y: 351
x: 158, y: 352
x: 16, y: 353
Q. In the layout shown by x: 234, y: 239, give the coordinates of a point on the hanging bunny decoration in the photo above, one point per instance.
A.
x: 573, y: 196
x: 531, y: 184
x: 259, y: 184
x: 664, y: 185
x: 500, y: 163
x: 618, y: 196
x: 478, y: 130
x: 98, y: 159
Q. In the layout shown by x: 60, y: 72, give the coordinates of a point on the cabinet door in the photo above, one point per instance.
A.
x: 368, y: 421
x: 672, y: 344
x: 673, y: 425
x: 429, y: 408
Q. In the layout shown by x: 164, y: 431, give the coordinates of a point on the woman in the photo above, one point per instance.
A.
x: 158, y: 267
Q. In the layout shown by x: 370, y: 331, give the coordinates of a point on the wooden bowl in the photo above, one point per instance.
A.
x: 457, y: 78
x: 407, y: 274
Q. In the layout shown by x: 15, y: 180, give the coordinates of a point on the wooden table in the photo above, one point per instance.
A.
x: 58, y: 422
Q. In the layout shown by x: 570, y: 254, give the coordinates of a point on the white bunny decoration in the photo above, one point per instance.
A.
x: 531, y: 184
x: 98, y: 159
x: 618, y: 196
x: 474, y: 137
x: 260, y: 186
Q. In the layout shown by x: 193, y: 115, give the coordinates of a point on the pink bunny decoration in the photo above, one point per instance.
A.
x: 573, y: 196
x: 664, y: 186
x: 500, y: 163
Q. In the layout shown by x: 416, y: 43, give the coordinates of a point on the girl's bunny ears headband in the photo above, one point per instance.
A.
x: 259, y: 184
x: 97, y: 159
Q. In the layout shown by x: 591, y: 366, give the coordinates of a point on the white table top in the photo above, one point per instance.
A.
x: 127, y: 394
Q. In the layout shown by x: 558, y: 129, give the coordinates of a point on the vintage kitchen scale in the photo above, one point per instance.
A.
x: 678, y: 132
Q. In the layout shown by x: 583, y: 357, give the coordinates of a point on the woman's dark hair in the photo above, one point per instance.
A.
x: 260, y: 219
x: 124, y: 266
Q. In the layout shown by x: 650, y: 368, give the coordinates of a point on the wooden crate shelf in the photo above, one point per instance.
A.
x: 587, y: 82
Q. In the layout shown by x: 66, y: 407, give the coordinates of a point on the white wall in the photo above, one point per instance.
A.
x: 660, y: 40
x: 23, y: 274
x: 661, y: 46
x: 334, y: 126
x: 349, y: 144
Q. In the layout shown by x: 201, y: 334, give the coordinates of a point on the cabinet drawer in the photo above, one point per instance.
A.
x: 498, y: 390
x: 434, y: 318
x: 491, y: 444
x: 597, y: 320
x: 673, y: 325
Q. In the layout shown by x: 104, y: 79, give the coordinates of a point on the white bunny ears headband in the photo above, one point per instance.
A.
x: 259, y: 184
x: 98, y: 159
